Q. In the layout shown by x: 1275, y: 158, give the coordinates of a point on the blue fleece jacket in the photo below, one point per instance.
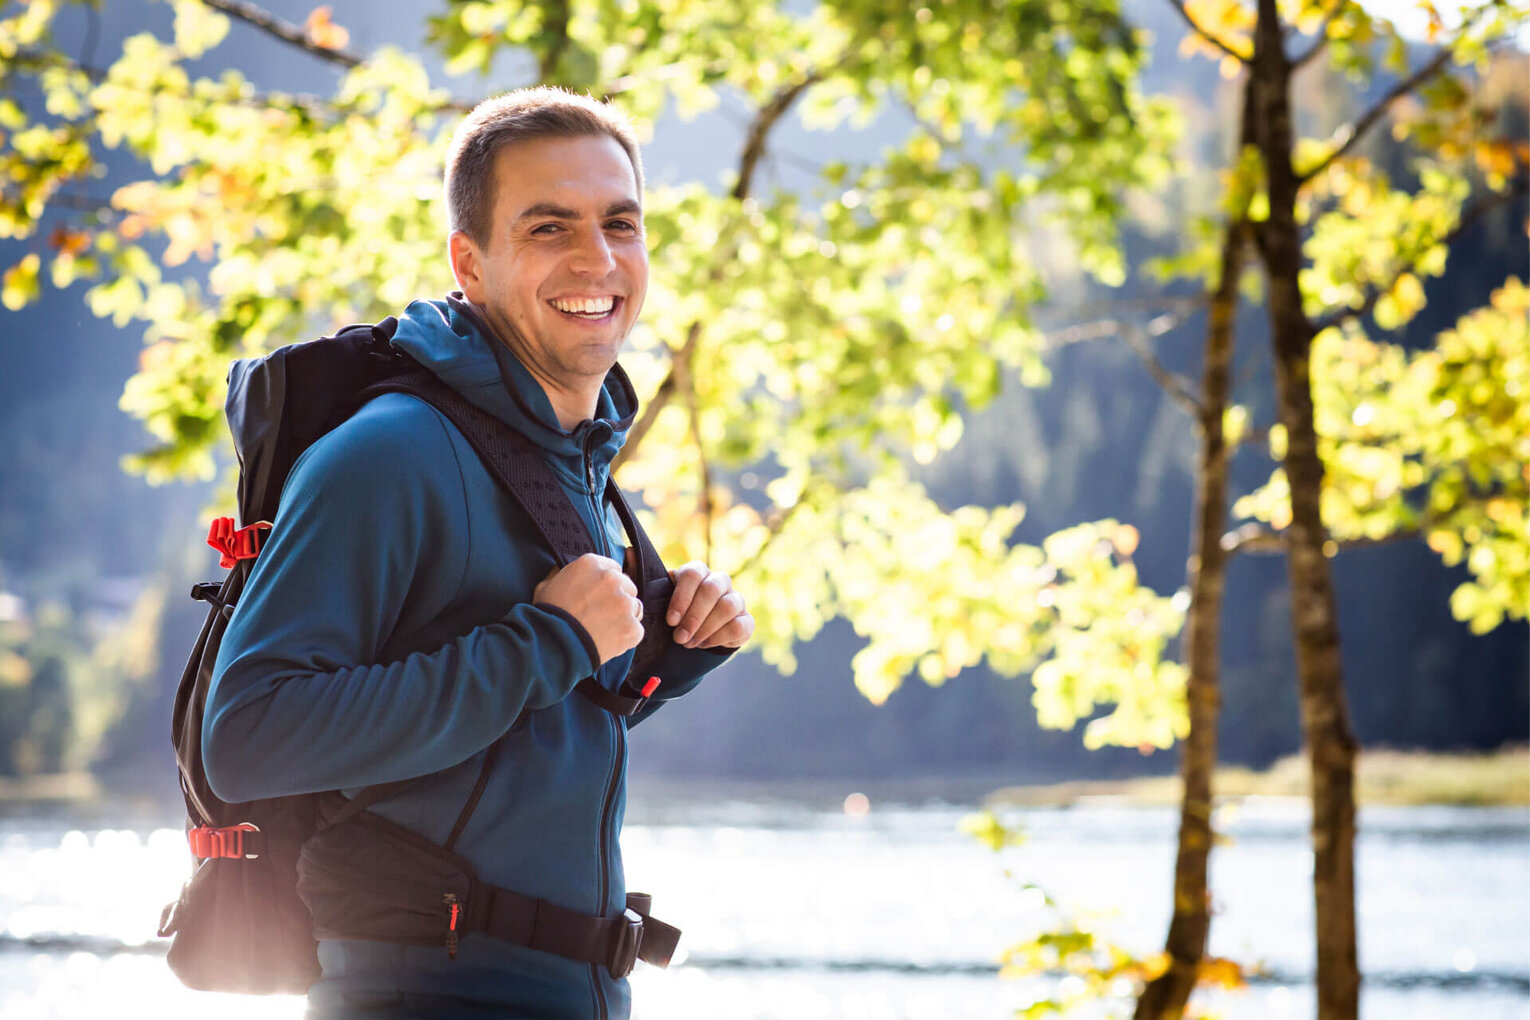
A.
x: 387, y: 632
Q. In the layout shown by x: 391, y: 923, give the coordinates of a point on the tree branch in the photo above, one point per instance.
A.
x: 1257, y: 538
x: 687, y: 383
x: 1180, y: 389
x: 661, y: 398
x: 1179, y: 6
x: 1254, y: 538
x: 764, y: 120
x: 775, y: 523
x: 1348, y: 136
x: 754, y: 148
x: 1320, y: 43
x: 555, y: 24
x: 285, y: 31
x: 1476, y: 211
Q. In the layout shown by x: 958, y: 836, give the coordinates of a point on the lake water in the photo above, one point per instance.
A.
x: 798, y: 912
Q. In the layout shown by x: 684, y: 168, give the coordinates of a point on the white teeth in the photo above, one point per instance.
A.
x: 585, y: 306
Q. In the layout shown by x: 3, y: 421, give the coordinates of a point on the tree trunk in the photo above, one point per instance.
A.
x: 1325, y: 715
x: 1165, y: 997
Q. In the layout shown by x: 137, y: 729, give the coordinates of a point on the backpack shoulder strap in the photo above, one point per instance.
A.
x: 520, y: 470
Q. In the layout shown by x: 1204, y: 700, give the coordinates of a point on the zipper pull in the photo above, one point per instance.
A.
x: 451, y: 931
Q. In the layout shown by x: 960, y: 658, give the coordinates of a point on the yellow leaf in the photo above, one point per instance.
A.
x: 1155, y: 966
x: 1220, y: 971
x: 323, y: 32
x: 19, y: 285
x: 1125, y: 539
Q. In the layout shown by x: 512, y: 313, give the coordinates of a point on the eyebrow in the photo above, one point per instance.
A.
x: 560, y: 212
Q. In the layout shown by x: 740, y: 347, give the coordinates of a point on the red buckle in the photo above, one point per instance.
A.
x: 236, y: 543
x: 209, y: 842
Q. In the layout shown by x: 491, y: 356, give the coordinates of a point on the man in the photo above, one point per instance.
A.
x: 402, y: 615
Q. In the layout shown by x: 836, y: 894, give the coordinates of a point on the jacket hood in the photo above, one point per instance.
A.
x: 452, y: 339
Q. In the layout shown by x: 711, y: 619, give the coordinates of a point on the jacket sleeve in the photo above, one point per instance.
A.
x: 372, y: 532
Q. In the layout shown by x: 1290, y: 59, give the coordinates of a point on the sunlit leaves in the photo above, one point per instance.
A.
x: 814, y: 342
x: 322, y: 31
x: 198, y: 27
x: 1436, y: 441
x: 1231, y: 22
x: 19, y: 284
x: 1378, y: 237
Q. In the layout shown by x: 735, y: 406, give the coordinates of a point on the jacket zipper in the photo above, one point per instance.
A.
x: 599, y: 534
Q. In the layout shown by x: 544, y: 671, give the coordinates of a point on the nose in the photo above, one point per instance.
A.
x: 592, y: 254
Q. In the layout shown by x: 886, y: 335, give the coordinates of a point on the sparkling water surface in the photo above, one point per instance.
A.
x: 795, y: 912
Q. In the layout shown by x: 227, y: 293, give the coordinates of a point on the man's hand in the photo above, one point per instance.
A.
x: 594, y: 591
x: 705, y: 610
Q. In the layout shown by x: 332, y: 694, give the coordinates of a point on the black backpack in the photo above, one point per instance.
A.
x: 239, y: 924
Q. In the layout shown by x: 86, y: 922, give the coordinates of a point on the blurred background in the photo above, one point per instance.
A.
x: 906, y: 260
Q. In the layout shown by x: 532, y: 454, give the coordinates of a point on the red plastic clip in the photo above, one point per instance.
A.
x: 651, y: 686
x: 236, y: 543
x: 209, y: 842
x: 451, y: 930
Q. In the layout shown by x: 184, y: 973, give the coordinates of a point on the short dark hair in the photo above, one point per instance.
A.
x: 521, y: 116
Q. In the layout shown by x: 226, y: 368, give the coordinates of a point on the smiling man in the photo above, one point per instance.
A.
x: 403, y: 616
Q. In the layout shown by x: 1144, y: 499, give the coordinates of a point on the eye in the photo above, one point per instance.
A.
x: 545, y: 229
x: 625, y: 226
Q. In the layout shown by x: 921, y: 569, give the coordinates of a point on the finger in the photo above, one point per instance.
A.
x: 687, y: 579
x: 738, y: 630
x: 714, y: 587
x: 637, y: 609
x: 626, y: 585
x: 723, y: 613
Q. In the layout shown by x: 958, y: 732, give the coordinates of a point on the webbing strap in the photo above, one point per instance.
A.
x: 615, y: 942
x: 519, y: 469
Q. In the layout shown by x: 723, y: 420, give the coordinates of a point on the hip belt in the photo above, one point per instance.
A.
x: 371, y: 879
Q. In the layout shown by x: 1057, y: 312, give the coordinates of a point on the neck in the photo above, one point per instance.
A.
x: 571, y: 404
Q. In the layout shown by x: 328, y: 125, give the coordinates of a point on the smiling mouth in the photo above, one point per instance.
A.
x: 599, y: 309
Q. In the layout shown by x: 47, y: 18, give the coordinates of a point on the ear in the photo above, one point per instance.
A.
x: 467, y: 266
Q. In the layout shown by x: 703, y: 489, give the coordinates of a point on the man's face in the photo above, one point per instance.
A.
x: 563, y: 275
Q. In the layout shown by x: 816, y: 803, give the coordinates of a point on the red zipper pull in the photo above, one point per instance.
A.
x: 451, y: 930
x: 651, y: 686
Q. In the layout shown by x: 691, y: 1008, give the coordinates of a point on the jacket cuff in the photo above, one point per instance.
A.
x: 578, y: 628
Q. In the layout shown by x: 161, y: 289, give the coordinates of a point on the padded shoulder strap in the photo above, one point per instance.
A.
x: 519, y: 468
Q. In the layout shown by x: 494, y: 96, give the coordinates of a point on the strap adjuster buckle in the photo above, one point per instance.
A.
x: 625, y: 946
x: 229, y: 841
x: 236, y: 544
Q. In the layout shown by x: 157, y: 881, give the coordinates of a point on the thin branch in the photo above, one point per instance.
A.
x: 661, y: 398
x: 1257, y: 538
x: 770, y: 113
x: 1179, y: 389
x: 656, y: 75
x: 1473, y: 213
x: 1259, y: 435
x: 1348, y: 136
x: 554, y: 24
x: 1321, y: 41
x: 287, y: 32
x: 686, y: 382
x: 754, y: 148
x: 775, y: 523
x: 1253, y: 538
x: 1179, y: 6
x: 312, y: 105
